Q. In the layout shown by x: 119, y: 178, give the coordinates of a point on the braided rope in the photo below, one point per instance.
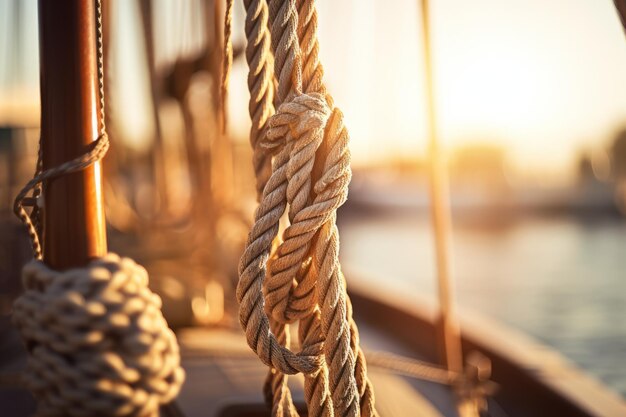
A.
x: 98, y: 342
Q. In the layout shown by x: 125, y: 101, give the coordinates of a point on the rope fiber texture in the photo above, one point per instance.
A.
x: 260, y: 85
x: 98, y: 343
x: 295, y: 276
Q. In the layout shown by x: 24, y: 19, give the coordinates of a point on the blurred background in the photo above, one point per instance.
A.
x: 531, y: 104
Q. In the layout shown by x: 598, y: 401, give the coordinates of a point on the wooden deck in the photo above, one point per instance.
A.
x: 224, y: 377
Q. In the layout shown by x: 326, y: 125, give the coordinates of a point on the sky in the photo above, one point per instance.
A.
x: 544, y: 79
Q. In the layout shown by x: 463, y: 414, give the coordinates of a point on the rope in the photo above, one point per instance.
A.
x: 260, y: 85
x: 227, y: 63
x: 312, y: 79
x: 97, y: 152
x: 286, y: 70
x: 412, y: 368
x: 98, y: 342
x: 312, y: 70
x: 300, y: 122
x: 252, y: 269
x: 100, y: 66
x: 287, y: 65
x: 304, y: 280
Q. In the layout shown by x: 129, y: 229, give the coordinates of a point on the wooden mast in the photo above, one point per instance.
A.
x: 451, y: 352
x: 440, y: 212
x: 73, y: 212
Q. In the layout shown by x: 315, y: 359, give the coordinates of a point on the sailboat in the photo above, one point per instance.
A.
x: 421, y: 358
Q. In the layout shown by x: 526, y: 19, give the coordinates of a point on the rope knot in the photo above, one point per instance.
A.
x: 302, y: 114
x: 98, y: 342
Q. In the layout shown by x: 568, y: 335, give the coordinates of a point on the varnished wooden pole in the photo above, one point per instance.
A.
x: 440, y: 212
x: 74, y: 226
x: 450, y: 335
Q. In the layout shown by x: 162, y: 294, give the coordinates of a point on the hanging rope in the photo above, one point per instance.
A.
x: 260, y: 85
x: 304, y: 281
x: 227, y: 63
x: 312, y: 80
x: 299, y: 272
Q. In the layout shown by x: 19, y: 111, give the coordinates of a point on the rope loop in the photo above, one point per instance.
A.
x: 98, y: 342
x: 301, y: 114
x: 98, y: 150
x: 289, y: 289
x: 296, y: 276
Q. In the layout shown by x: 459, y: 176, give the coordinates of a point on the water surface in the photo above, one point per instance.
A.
x: 562, y: 281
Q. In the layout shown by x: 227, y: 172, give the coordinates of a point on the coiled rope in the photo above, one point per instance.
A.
x: 297, y: 277
x: 98, y: 343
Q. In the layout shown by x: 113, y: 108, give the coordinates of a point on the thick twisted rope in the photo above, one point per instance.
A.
x: 303, y: 123
x: 331, y: 192
x: 276, y: 390
x: 312, y: 79
x: 252, y: 269
x: 312, y: 70
x: 300, y: 122
x: 299, y: 128
x: 285, y: 46
x: 260, y: 85
x: 286, y: 81
x: 287, y: 73
x: 289, y: 295
x: 316, y: 391
x: 98, y: 342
